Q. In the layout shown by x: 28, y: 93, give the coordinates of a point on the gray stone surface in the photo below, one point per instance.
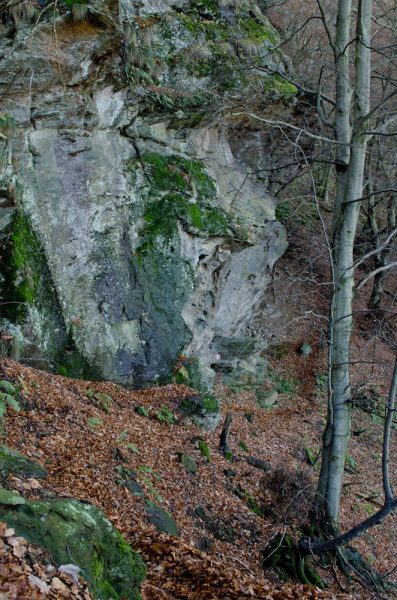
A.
x: 267, y: 399
x: 132, y: 292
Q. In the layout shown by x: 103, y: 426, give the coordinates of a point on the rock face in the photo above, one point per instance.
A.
x: 134, y: 227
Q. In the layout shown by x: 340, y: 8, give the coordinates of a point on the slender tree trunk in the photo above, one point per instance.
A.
x: 349, y: 190
x: 382, y: 258
x: 342, y: 135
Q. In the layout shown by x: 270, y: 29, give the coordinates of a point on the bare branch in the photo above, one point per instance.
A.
x: 386, y: 436
x: 376, y: 250
x: 375, y: 272
x: 283, y: 124
x: 326, y: 28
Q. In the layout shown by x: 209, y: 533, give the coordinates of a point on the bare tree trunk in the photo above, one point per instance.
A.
x: 390, y: 502
x: 342, y: 135
x: 349, y: 190
x: 382, y: 258
x: 224, y: 437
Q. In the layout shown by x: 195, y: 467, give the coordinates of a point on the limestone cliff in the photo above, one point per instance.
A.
x: 134, y: 227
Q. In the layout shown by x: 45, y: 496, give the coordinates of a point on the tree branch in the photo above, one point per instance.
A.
x: 375, y: 272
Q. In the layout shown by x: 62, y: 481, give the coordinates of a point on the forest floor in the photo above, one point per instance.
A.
x: 219, y: 552
x: 226, y: 512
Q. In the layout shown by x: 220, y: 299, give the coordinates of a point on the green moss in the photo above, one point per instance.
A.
x: 283, y: 555
x: 188, y: 463
x: 210, y: 404
x: 283, y: 385
x: 200, y: 405
x: 188, y: 373
x: 279, y: 87
x: 28, y: 287
x: 69, y: 362
x: 210, y: 6
x: 204, y: 450
x: 258, y: 32
x: 12, y: 462
x: 178, y: 174
x: 7, y: 124
x: 72, y: 531
x: 190, y: 192
x: 25, y: 259
x: 97, y: 566
x: 253, y: 505
x: 161, y: 519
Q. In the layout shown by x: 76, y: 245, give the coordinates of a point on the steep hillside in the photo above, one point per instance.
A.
x: 140, y: 459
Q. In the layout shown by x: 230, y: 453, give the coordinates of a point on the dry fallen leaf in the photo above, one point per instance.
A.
x: 39, y: 583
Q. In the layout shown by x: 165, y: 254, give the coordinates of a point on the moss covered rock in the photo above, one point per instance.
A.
x: 161, y: 519
x: 189, y: 464
x: 78, y: 533
x: 143, y: 228
x: 31, y: 303
x: 13, y: 462
x: 204, y: 410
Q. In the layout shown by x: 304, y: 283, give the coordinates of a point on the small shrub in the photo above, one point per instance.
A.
x: 287, y: 493
x: 166, y: 415
x: 350, y: 464
x: 204, y: 450
x: 243, y: 446
x: 250, y: 501
x: 253, y: 505
x: 142, y: 411
x: 132, y: 448
x: 7, y: 398
x: 321, y: 381
x: 229, y: 456
x: 152, y: 490
x: 103, y: 401
x: 283, y: 211
x: 123, y: 435
x: 283, y: 385
x: 94, y: 422
x: 311, y: 456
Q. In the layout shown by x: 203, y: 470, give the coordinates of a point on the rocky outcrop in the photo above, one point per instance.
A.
x: 134, y: 227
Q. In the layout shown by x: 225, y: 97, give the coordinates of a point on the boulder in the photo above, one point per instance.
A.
x: 74, y: 532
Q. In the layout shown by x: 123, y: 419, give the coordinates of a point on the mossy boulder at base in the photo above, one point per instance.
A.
x: 161, y: 519
x: 76, y: 532
x: 188, y: 463
x: 204, y: 409
x: 241, y: 363
x: 13, y: 462
x: 267, y: 399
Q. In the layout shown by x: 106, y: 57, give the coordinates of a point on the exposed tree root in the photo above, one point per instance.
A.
x: 283, y: 554
x: 294, y: 560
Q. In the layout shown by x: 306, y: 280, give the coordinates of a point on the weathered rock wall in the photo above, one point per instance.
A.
x: 134, y: 228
